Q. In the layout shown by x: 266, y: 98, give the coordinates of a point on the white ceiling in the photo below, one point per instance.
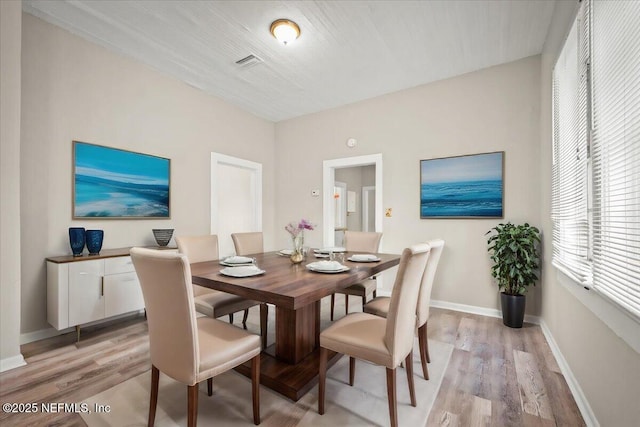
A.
x: 348, y: 50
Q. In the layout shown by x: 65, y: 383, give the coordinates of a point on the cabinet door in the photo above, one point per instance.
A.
x: 122, y: 294
x: 86, y: 302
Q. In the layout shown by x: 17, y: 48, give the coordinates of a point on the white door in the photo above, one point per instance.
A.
x: 236, y: 198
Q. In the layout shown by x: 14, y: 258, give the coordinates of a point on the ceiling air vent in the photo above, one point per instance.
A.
x: 249, y: 61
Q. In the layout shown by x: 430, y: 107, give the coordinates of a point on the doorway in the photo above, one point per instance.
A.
x: 236, y: 198
x: 329, y: 181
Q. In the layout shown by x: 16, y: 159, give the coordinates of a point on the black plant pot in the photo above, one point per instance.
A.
x: 512, y: 309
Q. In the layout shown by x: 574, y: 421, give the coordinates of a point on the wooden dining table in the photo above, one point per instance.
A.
x: 290, y: 365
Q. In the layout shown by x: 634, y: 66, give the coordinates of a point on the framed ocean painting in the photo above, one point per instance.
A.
x: 113, y: 183
x: 469, y: 186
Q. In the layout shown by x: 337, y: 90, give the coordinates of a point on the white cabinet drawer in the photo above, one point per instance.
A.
x: 118, y: 265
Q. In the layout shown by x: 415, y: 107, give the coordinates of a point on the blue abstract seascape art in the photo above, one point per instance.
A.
x: 113, y: 183
x: 462, y: 187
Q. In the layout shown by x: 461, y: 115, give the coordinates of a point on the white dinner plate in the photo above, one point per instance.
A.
x: 329, y: 271
x: 285, y: 252
x: 320, y: 255
x: 363, y: 258
x: 242, y: 271
x: 327, y: 250
x: 327, y: 267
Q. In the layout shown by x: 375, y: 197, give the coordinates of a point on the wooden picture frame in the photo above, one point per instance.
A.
x: 111, y: 183
x: 468, y: 186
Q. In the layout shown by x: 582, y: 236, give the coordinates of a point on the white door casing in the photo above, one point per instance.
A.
x: 368, y: 211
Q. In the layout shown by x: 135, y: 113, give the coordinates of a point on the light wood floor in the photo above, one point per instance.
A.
x: 497, y: 376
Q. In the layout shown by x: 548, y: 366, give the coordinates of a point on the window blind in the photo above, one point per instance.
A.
x: 616, y: 151
x: 569, y: 195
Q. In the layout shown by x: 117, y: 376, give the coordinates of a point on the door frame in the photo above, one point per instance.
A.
x: 328, y: 179
x: 366, y: 191
x: 218, y: 159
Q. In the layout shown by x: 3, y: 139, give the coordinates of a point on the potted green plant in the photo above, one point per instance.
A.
x: 514, y: 252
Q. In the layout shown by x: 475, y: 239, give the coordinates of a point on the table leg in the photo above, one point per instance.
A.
x: 297, y: 332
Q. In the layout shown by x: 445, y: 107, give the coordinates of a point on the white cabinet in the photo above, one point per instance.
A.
x: 86, y: 302
x: 87, y: 290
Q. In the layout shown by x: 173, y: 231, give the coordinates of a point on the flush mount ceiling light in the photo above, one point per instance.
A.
x: 285, y: 31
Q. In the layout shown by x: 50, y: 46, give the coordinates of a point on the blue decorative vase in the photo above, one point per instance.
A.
x: 76, y: 240
x: 94, y: 241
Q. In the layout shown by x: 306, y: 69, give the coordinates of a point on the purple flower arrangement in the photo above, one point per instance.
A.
x: 295, y: 229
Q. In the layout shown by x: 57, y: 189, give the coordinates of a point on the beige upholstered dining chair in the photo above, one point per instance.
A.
x: 359, y: 241
x: 247, y: 244
x: 383, y: 341
x: 380, y: 306
x: 182, y: 346
x: 210, y: 302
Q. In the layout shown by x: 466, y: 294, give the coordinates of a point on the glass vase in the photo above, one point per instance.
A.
x: 77, y: 240
x: 297, y: 255
x: 94, y: 241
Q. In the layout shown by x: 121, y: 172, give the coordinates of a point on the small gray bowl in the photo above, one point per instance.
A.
x: 162, y: 235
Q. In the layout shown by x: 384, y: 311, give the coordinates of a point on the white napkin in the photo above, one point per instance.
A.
x: 326, y: 265
x: 363, y: 257
x: 238, y: 260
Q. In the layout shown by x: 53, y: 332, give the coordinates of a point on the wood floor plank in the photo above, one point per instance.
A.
x: 480, y: 412
x: 533, y: 393
x: 445, y: 419
x: 465, y: 334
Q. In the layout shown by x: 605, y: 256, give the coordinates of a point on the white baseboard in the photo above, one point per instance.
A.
x: 582, y: 402
x: 42, y: 334
x: 12, y: 362
x: 483, y: 311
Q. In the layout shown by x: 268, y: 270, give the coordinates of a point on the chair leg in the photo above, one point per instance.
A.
x: 322, y: 378
x: 426, y: 343
x: 424, y: 352
x: 391, y: 395
x: 352, y: 370
x: 264, y: 316
x: 375, y: 293
x: 153, y: 401
x: 333, y: 303
x: 210, y: 386
x: 346, y: 304
x: 255, y: 388
x: 192, y: 402
x: 364, y: 301
x: 231, y: 318
x: 244, y: 318
x: 408, y: 362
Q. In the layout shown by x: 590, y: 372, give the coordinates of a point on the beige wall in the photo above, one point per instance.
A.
x: 76, y: 90
x: 489, y: 110
x: 605, y: 367
x: 10, y: 51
